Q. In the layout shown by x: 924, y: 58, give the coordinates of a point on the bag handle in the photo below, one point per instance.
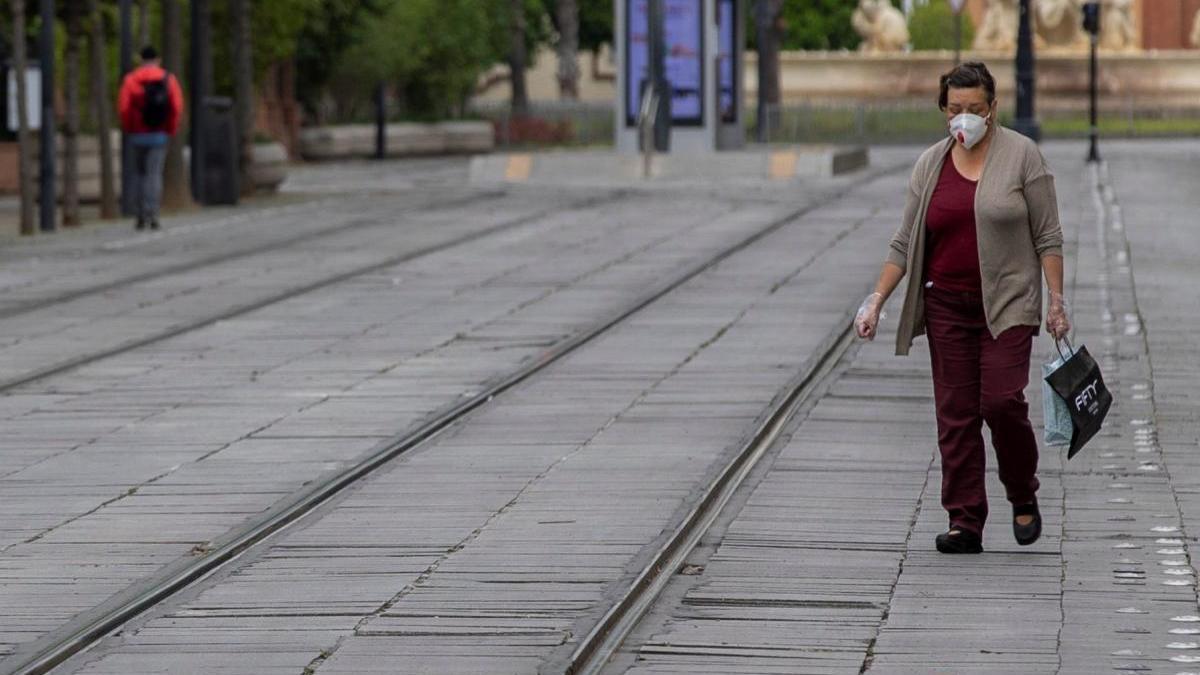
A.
x: 1058, y: 342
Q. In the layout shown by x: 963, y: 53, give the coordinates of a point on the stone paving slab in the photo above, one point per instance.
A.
x: 539, y: 517
x: 303, y: 387
x: 35, y: 337
x: 494, y: 549
x: 1109, y: 588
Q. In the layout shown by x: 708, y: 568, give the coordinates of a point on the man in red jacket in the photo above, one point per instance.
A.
x: 150, y: 105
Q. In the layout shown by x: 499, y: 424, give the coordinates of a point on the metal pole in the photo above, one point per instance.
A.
x: 1091, y: 24
x: 1094, y: 148
x: 199, y: 91
x: 48, y: 171
x: 380, y: 121
x: 957, y: 38
x: 658, y: 75
x: 126, y: 58
x: 1025, y: 122
x: 761, y: 36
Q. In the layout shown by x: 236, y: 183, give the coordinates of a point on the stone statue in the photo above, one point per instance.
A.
x: 998, y: 30
x: 1117, y: 30
x: 1060, y: 23
x: 1196, y: 30
x: 882, y: 26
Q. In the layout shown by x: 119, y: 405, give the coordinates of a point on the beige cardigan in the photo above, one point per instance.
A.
x: 1016, y: 220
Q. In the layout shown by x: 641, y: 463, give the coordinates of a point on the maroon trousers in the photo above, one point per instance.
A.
x: 979, y: 379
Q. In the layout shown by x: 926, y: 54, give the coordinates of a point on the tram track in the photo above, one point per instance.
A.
x: 348, y: 225
x: 89, y: 627
x: 89, y: 358
x: 607, y: 637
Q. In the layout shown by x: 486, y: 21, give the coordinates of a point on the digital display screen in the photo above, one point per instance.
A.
x: 684, y: 37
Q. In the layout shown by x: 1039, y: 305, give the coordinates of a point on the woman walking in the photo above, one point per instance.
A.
x: 980, y: 230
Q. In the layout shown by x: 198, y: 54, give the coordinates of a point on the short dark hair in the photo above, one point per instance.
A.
x: 149, y: 53
x: 966, y: 76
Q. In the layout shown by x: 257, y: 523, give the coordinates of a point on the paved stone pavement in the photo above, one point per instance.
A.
x: 495, y: 547
x: 828, y: 566
x: 221, y: 407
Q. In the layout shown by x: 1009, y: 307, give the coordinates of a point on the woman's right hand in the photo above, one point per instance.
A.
x: 866, y: 321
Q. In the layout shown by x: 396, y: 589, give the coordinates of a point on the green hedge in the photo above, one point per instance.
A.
x: 931, y: 26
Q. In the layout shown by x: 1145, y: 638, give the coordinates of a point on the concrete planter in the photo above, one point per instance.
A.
x: 403, y: 140
x: 269, y: 167
x: 89, y: 166
x: 268, y: 171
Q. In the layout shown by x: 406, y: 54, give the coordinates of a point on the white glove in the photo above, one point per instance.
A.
x: 1057, y: 322
x: 867, y: 319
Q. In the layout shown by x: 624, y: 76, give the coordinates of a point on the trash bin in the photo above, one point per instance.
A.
x: 219, y: 179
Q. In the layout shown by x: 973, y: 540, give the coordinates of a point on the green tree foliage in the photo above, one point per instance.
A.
x: 538, y: 27
x: 275, y: 25
x: 817, y: 24
x: 822, y: 25
x: 931, y: 26
x: 595, y: 22
x: 433, y: 51
x: 330, y: 30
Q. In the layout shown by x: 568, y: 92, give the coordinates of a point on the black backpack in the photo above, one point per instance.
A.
x: 156, y: 103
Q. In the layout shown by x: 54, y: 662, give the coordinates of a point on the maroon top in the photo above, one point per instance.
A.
x: 952, y: 253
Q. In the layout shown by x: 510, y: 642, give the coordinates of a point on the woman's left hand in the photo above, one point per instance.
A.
x: 1057, y: 322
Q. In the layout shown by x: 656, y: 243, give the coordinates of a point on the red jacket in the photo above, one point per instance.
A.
x: 129, y: 102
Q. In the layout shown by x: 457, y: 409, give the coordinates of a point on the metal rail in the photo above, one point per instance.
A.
x: 137, y: 343
x: 89, y: 627
x: 646, y: 117
x: 220, y: 258
x: 599, y: 646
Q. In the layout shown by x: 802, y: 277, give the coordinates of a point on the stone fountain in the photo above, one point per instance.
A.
x: 885, y: 70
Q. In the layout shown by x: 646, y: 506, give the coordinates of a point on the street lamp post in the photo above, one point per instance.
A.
x: 380, y: 121
x: 1091, y: 23
x: 1025, y: 122
x: 48, y: 171
x: 125, y: 13
x: 656, y: 19
x: 201, y: 74
x: 957, y: 7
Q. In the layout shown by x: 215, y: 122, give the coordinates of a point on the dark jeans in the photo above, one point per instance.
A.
x: 148, y: 180
x: 979, y: 379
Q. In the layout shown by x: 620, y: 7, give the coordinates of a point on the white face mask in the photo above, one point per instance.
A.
x: 968, y: 129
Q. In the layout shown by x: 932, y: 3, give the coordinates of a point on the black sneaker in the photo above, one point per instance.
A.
x: 959, y: 540
x: 154, y: 224
x: 1027, y: 534
x: 140, y: 225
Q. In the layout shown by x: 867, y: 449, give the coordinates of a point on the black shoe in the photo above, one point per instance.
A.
x: 1027, y: 534
x: 154, y: 224
x: 959, y: 540
x: 140, y: 225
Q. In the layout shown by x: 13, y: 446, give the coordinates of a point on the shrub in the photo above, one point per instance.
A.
x: 931, y: 26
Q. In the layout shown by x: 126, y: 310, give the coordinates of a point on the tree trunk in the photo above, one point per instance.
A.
x: 175, y: 177
x: 70, y: 213
x: 567, y: 13
x: 101, y: 109
x: 243, y: 88
x: 517, y: 58
x: 24, y: 138
x: 143, y: 24
x: 769, y: 20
